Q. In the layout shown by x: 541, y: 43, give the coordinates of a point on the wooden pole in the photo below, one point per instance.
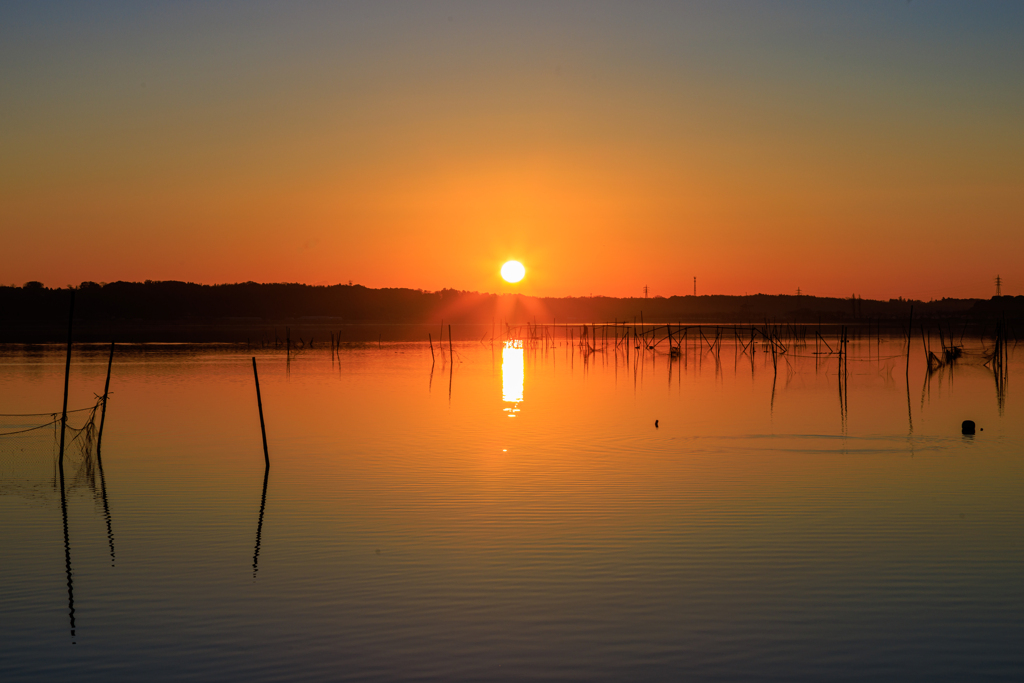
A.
x: 450, y: 352
x: 259, y: 403
x: 106, y: 392
x: 99, y: 457
x: 67, y: 374
x: 430, y: 339
x: 60, y: 465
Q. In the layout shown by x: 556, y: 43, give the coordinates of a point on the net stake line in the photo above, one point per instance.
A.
x: 67, y: 372
x: 99, y: 458
x: 60, y: 465
x: 266, y: 471
x: 259, y: 403
x: 106, y: 392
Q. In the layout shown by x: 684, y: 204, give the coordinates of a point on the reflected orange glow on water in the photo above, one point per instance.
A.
x: 512, y: 375
x: 754, y: 495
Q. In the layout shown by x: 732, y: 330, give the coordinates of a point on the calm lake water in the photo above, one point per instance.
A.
x: 516, y: 515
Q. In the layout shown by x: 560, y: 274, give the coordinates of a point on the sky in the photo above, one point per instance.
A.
x: 870, y: 148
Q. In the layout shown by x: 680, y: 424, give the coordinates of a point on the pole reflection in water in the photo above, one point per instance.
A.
x: 592, y: 525
x: 512, y: 375
x: 67, y: 549
x: 259, y: 525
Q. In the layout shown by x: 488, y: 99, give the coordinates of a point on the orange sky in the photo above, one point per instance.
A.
x: 875, y: 150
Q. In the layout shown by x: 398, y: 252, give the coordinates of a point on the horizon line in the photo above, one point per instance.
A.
x: 854, y: 297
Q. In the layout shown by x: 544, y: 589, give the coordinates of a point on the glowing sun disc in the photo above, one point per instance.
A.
x: 513, y: 271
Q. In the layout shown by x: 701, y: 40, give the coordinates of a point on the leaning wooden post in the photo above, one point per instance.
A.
x: 259, y: 403
x: 99, y: 457
x: 106, y: 392
x: 60, y: 466
x: 429, y: 339
x: 67, y: 374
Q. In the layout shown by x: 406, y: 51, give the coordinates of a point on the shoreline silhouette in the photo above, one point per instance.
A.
x: 261, y: 314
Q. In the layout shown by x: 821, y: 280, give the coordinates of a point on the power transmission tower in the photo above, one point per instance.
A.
x: 695, y: 285
x: 645, y: 291
x: 798, y: 291
x: 999, y: 286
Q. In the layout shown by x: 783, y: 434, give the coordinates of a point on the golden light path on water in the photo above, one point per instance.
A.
x: 512, y: 375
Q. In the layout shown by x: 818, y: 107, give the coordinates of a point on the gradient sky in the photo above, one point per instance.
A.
x: 874, y: 148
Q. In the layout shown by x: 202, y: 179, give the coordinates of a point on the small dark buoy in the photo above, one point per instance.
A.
x: 655, y: 424
x: 967, y: 427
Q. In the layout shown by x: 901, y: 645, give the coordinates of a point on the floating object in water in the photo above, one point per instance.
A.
x: 655, y: 424
x: 967, y: 427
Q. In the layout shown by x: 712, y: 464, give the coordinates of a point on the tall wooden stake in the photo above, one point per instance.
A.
x: 60, y: 465
x: 67, y: 374
x: 259, y: 403
x: 99, y: 457
x: 106, y: 392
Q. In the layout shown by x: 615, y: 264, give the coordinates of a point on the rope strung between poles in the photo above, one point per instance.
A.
x: 76, y: 410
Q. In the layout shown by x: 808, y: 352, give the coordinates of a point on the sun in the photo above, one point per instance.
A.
x: 513, y: 271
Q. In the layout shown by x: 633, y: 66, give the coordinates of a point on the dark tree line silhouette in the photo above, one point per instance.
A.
x: 170, y: 303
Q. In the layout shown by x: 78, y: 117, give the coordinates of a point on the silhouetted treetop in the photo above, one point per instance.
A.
x: 186, y: 301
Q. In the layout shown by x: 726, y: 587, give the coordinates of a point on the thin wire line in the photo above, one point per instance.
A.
x: 76, y: 410
x: 32, y: 429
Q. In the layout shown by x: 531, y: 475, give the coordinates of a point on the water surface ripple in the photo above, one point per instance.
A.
x: 516, y: 516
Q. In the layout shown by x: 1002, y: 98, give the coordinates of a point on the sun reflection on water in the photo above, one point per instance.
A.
x: 512, y: 375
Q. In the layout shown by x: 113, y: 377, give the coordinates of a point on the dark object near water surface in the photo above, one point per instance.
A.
x: 967, y: 427
x: 259, y: 403
x: 655, y: 424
